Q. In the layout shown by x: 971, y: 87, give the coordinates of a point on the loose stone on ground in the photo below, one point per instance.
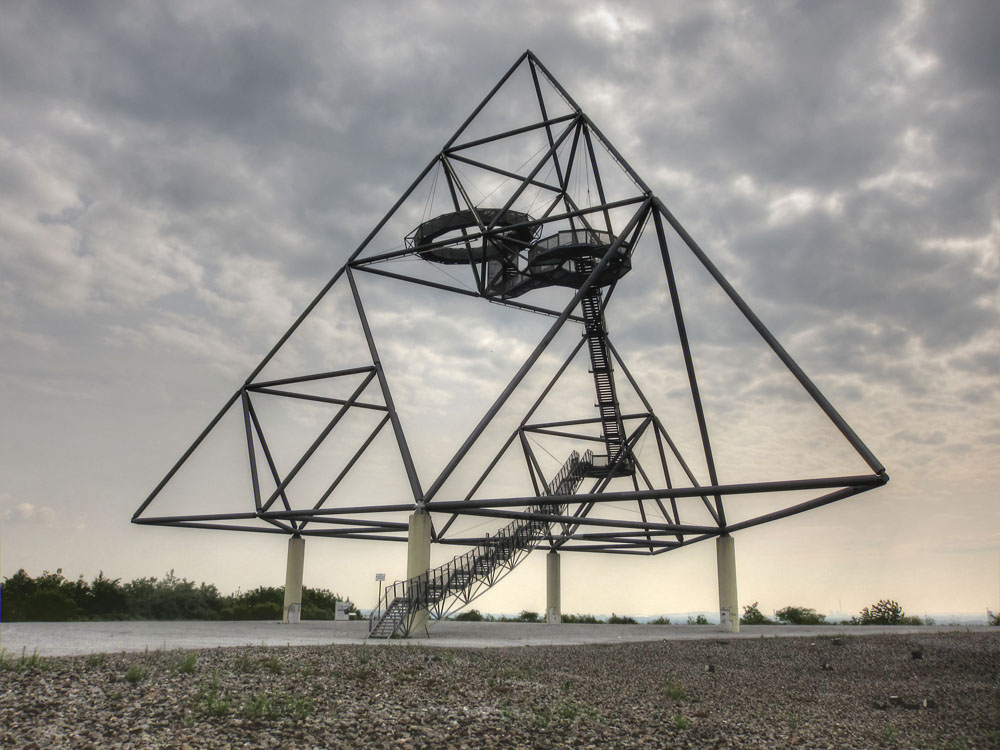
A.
x: 852, y: 692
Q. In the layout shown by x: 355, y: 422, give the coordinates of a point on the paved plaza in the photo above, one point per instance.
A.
x: 70, y: 638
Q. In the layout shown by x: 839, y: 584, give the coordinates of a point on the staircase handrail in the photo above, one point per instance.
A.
x: 517, y: 535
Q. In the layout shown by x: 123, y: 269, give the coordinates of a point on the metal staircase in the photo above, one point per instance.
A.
x: 604, y: 379
x: 459, y: 581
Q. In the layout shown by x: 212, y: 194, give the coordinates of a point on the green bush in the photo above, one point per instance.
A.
x: 51, y: 606
x: 800, y: 616
x: 699, y: 620
x: 582, y: 619
x: 471, y: 615
x: 107, y: 600
x: 623, y: 620
x: 753, y: 616
x: 884, y: 612
x: 528, y: 616
x: 48, y: 598
x: 172, y: 598
x: 321, y: 604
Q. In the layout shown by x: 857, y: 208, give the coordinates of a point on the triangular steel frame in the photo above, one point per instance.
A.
x: 580, y: 527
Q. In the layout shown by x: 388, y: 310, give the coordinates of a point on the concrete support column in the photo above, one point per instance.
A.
x: 729, y: 610
x: 293, y: 579
x: 418, y: 557
x: 553, y: 595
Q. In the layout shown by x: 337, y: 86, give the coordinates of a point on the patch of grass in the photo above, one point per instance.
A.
x: 361, y: 674
x: 96, y: 660
x: 681, y: 721
x: 520, y: 672
x: 247, y: 664
x: 183, y: 664
x: 277, y: 705
x: 135, y: 673
x: 210, y: 700
x: 566, y: 712
x: 890, y: 735
x: 271, y: 664
x: 498, y: 686
x: 187, y: 666
x: 24, y: 662
x: 675, y: 691
x: 570, y: 711
x: 542, y: 718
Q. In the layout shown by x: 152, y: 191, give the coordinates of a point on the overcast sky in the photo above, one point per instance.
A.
x: 178, y: 180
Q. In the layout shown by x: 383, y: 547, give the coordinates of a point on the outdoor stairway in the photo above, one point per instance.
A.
x: 397, y: 611
x: 604, y: 379
x: 461, y: 580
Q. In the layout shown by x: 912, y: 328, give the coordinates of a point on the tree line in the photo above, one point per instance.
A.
x: 51, y: 597
x: 883, y: 612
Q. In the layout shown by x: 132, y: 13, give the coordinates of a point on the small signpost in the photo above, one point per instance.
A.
x: 379, y: 577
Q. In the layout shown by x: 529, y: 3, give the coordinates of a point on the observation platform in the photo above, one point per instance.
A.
x: 517, y: 261
x: 457, y: 250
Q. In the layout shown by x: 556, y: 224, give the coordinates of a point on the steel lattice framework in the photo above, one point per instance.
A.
x: 586, y: 249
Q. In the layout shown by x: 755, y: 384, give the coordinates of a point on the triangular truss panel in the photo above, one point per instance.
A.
x: 615, y: 395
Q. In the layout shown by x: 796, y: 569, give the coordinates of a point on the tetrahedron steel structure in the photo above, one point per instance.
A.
x: 529, y: 207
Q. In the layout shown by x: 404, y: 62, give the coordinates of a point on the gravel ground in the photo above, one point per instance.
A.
x: 844, y: 692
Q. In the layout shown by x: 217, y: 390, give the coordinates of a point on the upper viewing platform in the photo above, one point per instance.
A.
x: 517, y: 261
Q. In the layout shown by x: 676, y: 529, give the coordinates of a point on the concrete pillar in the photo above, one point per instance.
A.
x: 418, y: 557
x: 293, y: 579
x: 553, y: 600
x: 729, y: 610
